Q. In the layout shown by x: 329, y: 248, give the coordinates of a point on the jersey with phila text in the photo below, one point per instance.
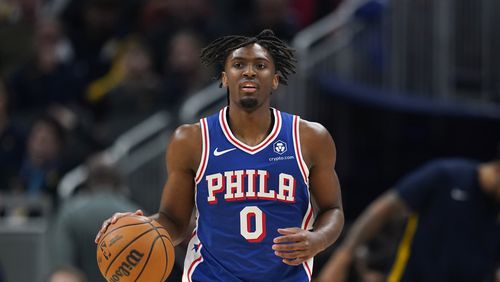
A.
x: 243, y: 195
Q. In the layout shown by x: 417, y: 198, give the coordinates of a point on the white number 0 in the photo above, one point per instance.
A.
x: 253, y: 213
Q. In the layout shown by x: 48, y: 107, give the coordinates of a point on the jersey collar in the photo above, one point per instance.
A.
x: 242, y: 146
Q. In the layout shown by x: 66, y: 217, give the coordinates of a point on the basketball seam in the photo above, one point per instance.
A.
x: 164, y: 248
x: 125, y: 247
x: 168, y: 238
x: 165, y: 275
x: 149, y: 256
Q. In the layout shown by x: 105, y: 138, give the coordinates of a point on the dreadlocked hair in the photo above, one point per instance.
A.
x: 284, y: 57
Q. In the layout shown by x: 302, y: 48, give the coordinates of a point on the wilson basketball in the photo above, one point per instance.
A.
x: 135, y: 248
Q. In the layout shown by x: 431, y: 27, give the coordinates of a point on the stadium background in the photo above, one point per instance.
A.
x: 397, y: 83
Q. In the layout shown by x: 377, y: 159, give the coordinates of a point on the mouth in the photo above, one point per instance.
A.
x: 249, y: 87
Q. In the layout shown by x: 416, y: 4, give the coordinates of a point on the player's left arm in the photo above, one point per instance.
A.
x: 297, y: 245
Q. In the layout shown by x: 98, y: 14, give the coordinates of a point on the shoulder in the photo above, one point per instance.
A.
x: 188, y: 130
x: 316, y: 143
x: 185, y: 147
x: 438, y: 173
x: 309, y: 129
x: 187, y: 134
x: 313, y: 133
x: 450, y: 164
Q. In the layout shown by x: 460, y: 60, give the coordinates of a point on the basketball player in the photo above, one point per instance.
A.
x: 250, y: 171
x: 452, y: 233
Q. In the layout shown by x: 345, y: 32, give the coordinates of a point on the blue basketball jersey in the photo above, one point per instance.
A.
x: 243, y: 195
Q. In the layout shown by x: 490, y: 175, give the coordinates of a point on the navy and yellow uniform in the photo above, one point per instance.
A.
x: 454, y: 231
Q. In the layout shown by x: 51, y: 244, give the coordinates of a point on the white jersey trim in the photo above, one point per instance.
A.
x: 244, y: 147
x: 308, y: 266
x: 308, y: 220
x: 205, y: 151
x: 193, y: 259
x: 304, y: 170
x: 307, y: 224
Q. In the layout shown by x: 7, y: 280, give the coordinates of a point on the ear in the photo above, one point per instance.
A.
x: 224, y: 79
x: 276, y: 81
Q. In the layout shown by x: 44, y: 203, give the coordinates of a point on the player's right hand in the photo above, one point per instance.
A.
x: 113, y: 220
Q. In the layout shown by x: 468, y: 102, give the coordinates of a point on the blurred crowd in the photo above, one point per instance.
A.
x: 75, y: 74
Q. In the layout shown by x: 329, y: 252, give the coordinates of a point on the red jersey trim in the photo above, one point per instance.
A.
x: 244, y: 147
x: 194, y: 264
x: 308, y: 270
x: 205, y: 144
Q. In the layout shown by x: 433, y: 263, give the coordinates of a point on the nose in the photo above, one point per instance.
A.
x: 249, y: 71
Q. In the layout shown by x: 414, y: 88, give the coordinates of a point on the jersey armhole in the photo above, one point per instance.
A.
x: 304, y: 170
x: 205, y: 148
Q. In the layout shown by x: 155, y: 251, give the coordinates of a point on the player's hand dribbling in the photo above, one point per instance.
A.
x: 113, y: 220
x: 297, y: 245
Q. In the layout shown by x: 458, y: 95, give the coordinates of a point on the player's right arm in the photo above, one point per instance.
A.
x: 177, y: 201
x: 371, y: 221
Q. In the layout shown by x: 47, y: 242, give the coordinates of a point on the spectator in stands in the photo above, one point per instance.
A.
x: 452, y: 234
x: 67, y: 274
x: 43, y: 163
x: 163, y: 19
x: 183, y: 72
x: 137, y: 93
x: 276, y: 15
x: 49, y: 83
x: 309, y: 11
x: 81, y: 133
x: 94, y: 27
x: 47, y: 79
x: 16, y: 22
x: 71, y: 240
x: 12, y: 140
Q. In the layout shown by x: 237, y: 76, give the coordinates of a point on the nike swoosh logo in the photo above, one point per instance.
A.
x: 220, y: 153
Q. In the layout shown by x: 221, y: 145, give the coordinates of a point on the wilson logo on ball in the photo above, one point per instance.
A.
x: 132, y: 259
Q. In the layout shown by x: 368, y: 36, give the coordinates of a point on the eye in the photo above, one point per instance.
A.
x: 261, y: 66
x: 237, y: 65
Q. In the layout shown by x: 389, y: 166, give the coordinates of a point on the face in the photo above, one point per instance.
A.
x: 183, y: 53
x: 250, y: 76
x: 43, y: 143
x: 137, y: 62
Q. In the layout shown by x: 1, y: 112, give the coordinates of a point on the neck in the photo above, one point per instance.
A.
x: 250, y: 127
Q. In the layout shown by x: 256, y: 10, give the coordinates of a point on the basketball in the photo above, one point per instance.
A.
x: 135, y: 248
